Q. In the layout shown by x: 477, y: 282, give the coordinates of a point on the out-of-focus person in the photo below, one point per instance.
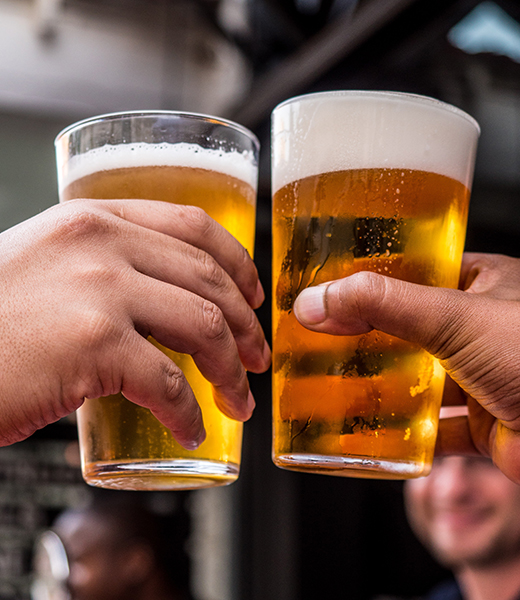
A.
x: 467, y: 514
x: 118, y: 549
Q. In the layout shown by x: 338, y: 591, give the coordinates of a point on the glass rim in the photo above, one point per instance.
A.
x: 166, y: 113
x: 416, y: 98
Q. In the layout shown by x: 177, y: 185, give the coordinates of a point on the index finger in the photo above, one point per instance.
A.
x: 493, y: 275
x: 194, y: 226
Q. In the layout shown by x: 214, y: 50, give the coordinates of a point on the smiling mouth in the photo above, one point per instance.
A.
x: 462, y: 518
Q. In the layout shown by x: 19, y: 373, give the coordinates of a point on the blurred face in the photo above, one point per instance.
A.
x: 99, y: 566
x: 466, y: 512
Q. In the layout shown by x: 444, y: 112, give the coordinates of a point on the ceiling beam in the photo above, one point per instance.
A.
x: 324, y: 50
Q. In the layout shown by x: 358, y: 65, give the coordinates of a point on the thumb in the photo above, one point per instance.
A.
x: 432, y: 317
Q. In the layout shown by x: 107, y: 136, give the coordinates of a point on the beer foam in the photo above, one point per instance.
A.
x: 240, y: 165
x: 335, y: 131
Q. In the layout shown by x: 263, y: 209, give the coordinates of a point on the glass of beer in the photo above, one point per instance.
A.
x: 174, y: 157
x: 362, y: 181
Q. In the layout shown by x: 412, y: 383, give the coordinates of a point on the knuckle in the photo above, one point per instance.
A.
x: 196, y: 219
x: 214, y: 325
x: 83, y: 222
x: 370, y: 292
x: 176, y: 386
x: 211, y: 272
x: 374, y: 284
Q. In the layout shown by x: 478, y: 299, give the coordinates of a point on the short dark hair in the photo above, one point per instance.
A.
x: 160, y: 521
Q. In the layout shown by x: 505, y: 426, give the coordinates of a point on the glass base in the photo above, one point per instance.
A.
x: 180, y: 474
x: 352, y: 466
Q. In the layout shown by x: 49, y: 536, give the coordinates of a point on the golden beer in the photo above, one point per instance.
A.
x: 123, y: 445
x: 363, y: 406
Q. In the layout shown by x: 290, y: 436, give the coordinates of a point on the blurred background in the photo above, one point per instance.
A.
x: 273, y: 534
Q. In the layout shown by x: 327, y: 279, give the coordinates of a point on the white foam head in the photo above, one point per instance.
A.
x: 240, y: 165
x: 334, y: 131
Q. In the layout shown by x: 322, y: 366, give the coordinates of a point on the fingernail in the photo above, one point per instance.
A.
x: 191, y: 445
x: 310, y: 305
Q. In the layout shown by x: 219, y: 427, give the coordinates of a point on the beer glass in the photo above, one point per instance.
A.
x: 169, y: 157
x: 362, y: 181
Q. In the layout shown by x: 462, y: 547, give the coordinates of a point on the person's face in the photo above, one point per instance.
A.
x: 466, y: 512
x: 99, y: 566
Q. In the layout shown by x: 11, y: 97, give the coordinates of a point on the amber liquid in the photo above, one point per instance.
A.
x: 123, y: 445
x: 362, y: 406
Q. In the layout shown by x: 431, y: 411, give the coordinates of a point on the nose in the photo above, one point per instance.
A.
x: 450, y: 479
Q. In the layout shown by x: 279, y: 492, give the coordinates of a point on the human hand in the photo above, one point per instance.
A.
x: 83, y: 286
x: 473, y: 331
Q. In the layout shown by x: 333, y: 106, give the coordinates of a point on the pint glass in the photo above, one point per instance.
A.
x: 169, y: 157
x: 362, y: 181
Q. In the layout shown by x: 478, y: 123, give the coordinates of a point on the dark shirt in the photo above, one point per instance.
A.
x: 447, y: 590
